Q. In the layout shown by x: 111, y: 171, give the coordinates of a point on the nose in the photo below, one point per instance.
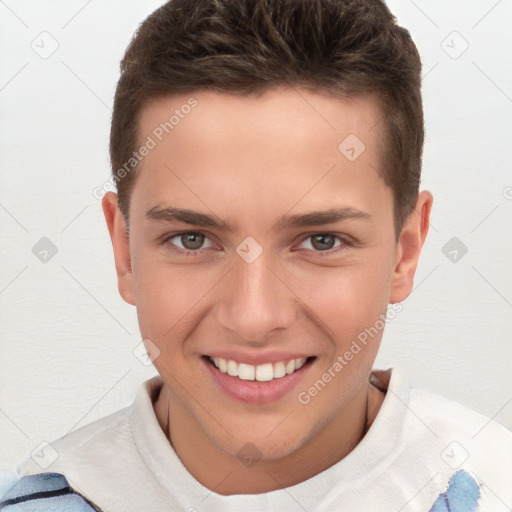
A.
x: 255, y: 301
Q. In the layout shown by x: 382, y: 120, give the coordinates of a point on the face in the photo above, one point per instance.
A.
x: 261, y: 246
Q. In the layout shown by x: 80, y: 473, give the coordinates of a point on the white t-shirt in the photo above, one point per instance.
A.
x: 418, y: 441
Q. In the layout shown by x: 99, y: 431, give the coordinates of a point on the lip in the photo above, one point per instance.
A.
x: 255, y: 392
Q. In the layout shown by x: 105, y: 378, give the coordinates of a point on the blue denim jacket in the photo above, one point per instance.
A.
x: 46, y: 492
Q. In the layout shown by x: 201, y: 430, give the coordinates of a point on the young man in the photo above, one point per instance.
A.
x: 267, y: 159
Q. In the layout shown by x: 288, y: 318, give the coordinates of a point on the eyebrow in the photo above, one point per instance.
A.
x: 171, y: 214
x: 314, y: 218
x: 318, y: 218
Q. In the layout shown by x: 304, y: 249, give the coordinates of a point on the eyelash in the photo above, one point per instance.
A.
x: 345, y: 243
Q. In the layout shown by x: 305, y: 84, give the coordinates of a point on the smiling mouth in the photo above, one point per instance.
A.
x: 263, y: 372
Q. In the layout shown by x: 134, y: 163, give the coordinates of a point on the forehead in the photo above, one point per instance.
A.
x: 298, y: 113
x: 285, y: 143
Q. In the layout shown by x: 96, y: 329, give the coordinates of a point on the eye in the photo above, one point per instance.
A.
x: 322, y: 242
x: 188, y: 242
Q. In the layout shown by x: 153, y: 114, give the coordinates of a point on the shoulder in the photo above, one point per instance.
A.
x: 455, y: 440
x: 448, y: 417
x: 94, y: 458
x: 439, y: 443
x: 83, y: 442
x: 422, y: 411
x: 98, y: 444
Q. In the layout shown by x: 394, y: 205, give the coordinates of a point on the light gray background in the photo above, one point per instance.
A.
x: 67, y: 338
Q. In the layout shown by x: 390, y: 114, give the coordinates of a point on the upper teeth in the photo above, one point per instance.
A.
x: 262, y: 372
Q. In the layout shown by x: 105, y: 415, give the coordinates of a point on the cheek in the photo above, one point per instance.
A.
x: 348, y: 299
x: 172, y: 300
x: 165, y: 297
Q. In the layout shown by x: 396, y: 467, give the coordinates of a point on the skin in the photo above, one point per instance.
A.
x: 249, y: 161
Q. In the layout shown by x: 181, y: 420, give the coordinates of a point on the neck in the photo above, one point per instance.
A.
x: 224, y: 474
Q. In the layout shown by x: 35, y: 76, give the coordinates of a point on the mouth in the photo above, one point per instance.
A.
x: 262, y: 372
x: 261, y: 383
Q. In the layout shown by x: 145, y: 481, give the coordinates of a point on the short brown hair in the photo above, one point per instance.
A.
x: 343, y: 47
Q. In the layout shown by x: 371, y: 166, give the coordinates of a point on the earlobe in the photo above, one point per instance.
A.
x: 409, y: 248
x: 120, y: 243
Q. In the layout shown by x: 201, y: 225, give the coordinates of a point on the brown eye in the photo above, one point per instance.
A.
x: 323, y: 242
x: 188, y: 243
x: 192, y: 241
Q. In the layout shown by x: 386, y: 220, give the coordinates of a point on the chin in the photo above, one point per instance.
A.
x: 261, y: 447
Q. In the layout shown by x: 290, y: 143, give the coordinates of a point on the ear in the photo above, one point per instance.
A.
x: 409, y: 246
x: 120, y: 242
